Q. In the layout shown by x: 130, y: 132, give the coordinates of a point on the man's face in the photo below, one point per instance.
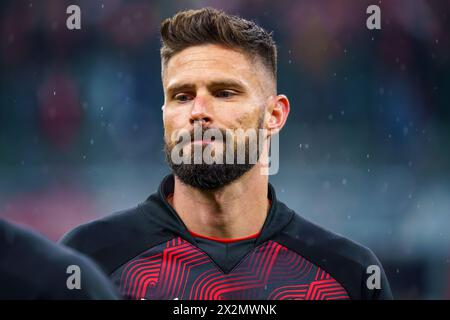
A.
x: 212, y: 87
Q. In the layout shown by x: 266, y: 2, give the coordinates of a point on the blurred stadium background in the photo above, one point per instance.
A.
x: 365, y: 151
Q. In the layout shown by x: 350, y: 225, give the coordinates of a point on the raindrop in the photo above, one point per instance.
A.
x: 405, y: 130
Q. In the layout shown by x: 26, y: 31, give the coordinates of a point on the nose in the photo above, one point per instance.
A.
x: 200, y: 111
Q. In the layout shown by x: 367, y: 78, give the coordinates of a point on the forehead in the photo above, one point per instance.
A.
x: 208, y: 63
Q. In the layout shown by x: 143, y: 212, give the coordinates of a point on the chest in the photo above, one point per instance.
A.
x: 179, y: 270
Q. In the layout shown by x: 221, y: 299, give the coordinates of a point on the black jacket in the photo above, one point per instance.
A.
x: 32, y: 267
x: 149, y: 254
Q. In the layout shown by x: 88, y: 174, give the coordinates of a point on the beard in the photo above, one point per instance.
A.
x: 214, y: 176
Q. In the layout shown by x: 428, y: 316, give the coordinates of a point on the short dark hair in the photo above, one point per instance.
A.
x: 212, y: 26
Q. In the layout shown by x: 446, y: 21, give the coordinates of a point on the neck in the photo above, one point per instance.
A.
x: 237, y: 210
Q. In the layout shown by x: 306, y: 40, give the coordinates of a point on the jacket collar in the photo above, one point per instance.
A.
x: 278, y: 217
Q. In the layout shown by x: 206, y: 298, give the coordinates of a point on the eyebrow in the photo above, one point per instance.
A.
x: 213, y: 85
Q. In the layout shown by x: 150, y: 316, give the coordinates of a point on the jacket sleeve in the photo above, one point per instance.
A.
x: 375, y: 285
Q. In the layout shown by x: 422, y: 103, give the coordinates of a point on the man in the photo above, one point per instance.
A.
x: 216, y: 230
x: 32, y: 267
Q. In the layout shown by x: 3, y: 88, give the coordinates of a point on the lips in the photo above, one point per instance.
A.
x: 202, y: 142
x: 199, y: 138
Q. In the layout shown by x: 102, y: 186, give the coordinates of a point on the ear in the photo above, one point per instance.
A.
x: 278, y: 112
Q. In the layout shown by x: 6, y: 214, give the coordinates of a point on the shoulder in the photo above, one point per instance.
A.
x: 346, y: 260
x: 94, y: 235
x: 321, y: 239
x: 33, y: 267
x: 116, y: 238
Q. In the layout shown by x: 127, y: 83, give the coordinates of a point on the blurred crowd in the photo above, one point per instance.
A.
x: 365, y: 151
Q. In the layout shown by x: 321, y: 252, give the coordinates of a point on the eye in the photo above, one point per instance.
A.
x: 225, y: 94
x: 182, y: 97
